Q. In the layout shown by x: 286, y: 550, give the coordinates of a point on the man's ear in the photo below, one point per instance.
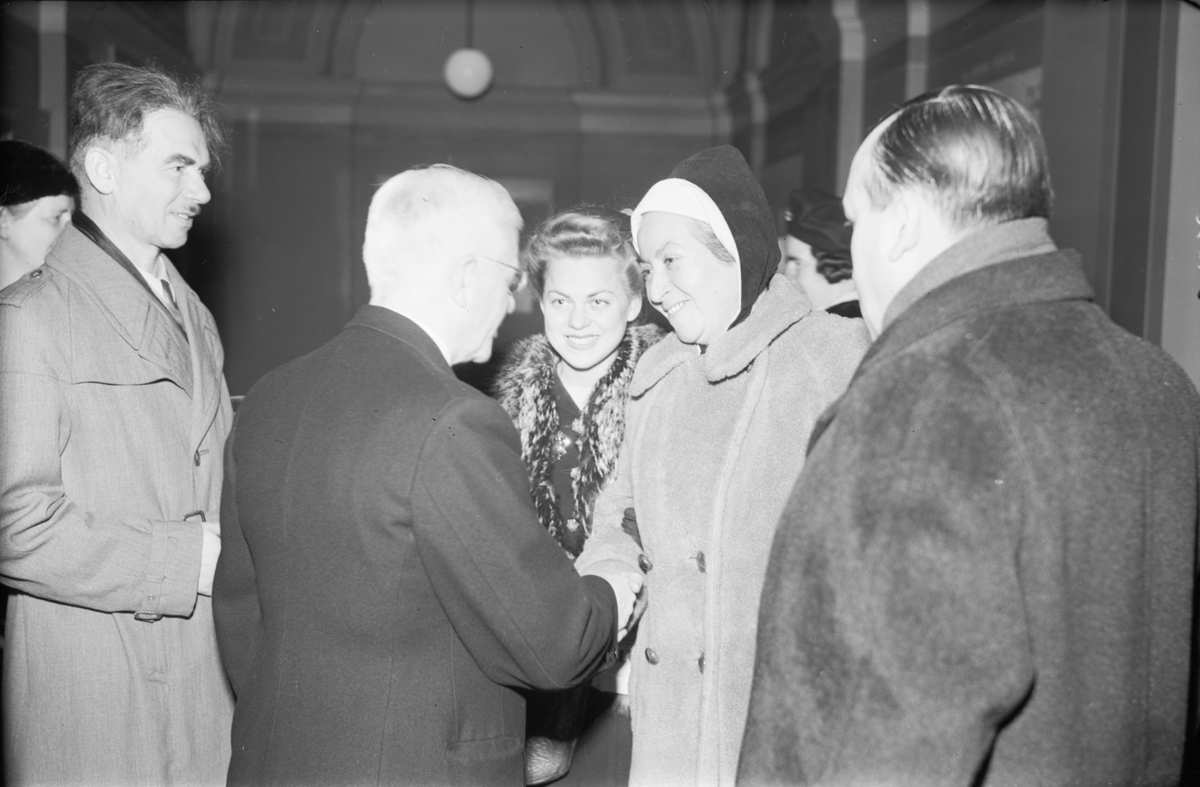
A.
x: 905, y: 224
x: 463, y: 273
x: 99, y: 164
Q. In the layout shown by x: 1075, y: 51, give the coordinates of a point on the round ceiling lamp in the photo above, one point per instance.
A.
x: 468, y: 71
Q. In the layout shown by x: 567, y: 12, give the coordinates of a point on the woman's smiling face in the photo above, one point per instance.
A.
x: 699, y: 294
x: 586, y: 304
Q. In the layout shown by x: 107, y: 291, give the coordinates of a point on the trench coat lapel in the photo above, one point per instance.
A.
x: 165, y: 346
x: 128, y: 306
x: 206, y: 399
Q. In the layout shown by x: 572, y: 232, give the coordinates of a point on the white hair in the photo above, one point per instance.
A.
x: 422, y: 217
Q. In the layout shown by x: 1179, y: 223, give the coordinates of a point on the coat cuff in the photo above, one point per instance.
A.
x: 624, y: 551
x: 598, y: 586
x: 169, y: 586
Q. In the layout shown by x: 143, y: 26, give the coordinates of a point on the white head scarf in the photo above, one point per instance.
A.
x: 684, y: 198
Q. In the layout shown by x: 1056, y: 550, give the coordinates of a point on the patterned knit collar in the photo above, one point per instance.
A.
x: 526, y: 390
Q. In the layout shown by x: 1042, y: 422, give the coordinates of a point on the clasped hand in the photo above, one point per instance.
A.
x: 626, y: 583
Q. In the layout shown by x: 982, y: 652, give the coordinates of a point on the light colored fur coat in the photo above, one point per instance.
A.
x: 714, y: 443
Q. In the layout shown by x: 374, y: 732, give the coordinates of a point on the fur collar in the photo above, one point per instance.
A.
x: 778, y: 309
x: 525, y: 389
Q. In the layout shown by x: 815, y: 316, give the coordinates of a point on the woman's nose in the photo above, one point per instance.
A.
x: 656, y: 287
x: 579, y: 318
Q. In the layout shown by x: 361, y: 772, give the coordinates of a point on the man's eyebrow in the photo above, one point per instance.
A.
x: 180, y: 158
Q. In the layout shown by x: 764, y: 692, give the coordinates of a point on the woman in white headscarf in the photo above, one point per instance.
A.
x: 719, y: 418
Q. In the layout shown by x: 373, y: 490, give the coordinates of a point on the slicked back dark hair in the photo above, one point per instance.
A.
x: 975, y: 152
x: 110, y: 101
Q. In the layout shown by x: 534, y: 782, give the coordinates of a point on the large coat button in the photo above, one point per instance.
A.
x: 644, y: 563
x: 700, y: 662
x: 196, y: 458
x: 651, y: 656
x: 700, y: 562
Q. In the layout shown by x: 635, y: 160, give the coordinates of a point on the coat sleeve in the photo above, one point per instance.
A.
x: 892, y: 638
x: 511, y: 594
x: 50, y: 546
x: 237, y: 611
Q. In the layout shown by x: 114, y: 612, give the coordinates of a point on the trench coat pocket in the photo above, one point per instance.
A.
x: 498, y: 760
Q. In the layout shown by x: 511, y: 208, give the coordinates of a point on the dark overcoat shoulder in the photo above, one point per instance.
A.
x: 384, y: 583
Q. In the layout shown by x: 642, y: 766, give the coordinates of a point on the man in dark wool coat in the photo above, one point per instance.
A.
x: 384, y: 583
x: 984, y: 574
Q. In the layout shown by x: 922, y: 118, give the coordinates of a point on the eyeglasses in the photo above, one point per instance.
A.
x: 518, y: 278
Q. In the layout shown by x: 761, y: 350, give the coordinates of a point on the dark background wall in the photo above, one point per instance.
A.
x: 594, y: 101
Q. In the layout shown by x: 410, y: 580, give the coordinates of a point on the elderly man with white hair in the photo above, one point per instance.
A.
x: 384, y: 583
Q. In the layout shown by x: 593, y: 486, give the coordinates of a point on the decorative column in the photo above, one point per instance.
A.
x: 52, y: 72
x: 852, y: 84
x: 758, y: 57
x: 916, y: 69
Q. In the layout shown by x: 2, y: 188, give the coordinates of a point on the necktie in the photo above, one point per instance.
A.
x: 172, y: 304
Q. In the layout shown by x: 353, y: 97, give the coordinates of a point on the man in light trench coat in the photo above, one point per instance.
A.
x: 113, y: 416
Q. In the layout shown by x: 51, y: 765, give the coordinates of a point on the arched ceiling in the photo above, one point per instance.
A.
x: 626, y: 45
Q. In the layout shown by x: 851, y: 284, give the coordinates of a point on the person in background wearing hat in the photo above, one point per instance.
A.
x: 718, y: 417
x: 816, y: 251
x: 114, y: 415
x: 37, y: 195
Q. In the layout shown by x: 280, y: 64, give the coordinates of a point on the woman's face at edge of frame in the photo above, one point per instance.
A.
x: 587, y: 306
x: 800, y: 266
x: 32, y: 231
x: 699, y: 294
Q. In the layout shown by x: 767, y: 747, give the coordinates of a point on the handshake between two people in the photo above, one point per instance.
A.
x: 627, y: 583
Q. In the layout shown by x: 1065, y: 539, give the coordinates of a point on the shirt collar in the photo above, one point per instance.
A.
x: 156, y: 277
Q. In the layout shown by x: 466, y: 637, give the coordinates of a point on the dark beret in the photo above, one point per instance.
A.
x: 816, y: 217
x: 28, y: 173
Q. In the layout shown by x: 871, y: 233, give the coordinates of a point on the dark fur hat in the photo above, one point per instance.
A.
x: 28, y: 173
x: 816, y: 217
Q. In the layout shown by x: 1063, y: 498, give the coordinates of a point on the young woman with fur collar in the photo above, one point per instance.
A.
x: 566, y: 390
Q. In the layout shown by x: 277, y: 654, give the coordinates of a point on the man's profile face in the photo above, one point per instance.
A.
x: 868, y: 244
x: 498, y: 267
x: 160, y: 183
